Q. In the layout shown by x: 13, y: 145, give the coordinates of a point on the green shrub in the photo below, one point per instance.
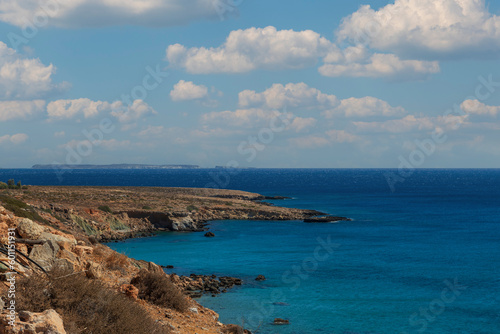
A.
x: 192, y: 208
x: 147, y: 207
x: 86, y: 306
x: 105, y: 208
x: 3, y: 185
x: 20, y: 209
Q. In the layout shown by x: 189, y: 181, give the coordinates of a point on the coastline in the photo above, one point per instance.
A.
x: 78, y: 219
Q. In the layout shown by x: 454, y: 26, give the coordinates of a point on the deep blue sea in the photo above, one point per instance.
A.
x: 422, y: 259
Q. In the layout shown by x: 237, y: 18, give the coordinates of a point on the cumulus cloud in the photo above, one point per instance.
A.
x: 187, y: 90
x: 12, y: 110
x: 65, y: 109
x: 426, y: 28
x: 300, y: 95
x: 127, y: 114
x: 404, y: 125
x: 68, y: 109
x: 241, y: 117
x: 250, y: 49
x: 90, y: 13
x: 478, y: 108
x: 290, y: 95
x: 16, y: 139
x: 382, y: 65
x: 364, y: 107
x: 330, y: 137
x: 23, y: 78
x: 272, y: 49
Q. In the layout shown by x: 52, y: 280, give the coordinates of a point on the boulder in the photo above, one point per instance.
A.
x: 47, y: 322
x: 260, y: 278
x: 66, y: 242
x: 209, y: 235
x: 28, y: 229
x: 64, y: 265
x: 45, y: 255
x: 81, y: 250
x: 130, y: 291
x: 93, y: 270
x: 234, y: 329
x: 279, y: 321
x: 154, y: 268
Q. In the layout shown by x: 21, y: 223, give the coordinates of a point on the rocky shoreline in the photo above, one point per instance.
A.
x: 63, y: 228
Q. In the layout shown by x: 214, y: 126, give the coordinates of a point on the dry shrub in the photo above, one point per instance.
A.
x: 158, y: 289
x: 116, y: 261
x: 86, y: 306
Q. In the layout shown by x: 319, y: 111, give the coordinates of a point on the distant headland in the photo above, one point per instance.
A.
x: 115, y: 166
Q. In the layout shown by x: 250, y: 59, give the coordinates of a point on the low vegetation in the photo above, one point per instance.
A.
x: 105, y: 208
x: 11, y: 184
x: 86, y: 306
x: 20, y: 209
x: 158, y: 289
x: 192, y: 208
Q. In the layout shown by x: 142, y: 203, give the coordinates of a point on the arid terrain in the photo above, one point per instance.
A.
x: 68, y: 282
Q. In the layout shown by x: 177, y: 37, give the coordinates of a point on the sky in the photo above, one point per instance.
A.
x: 251, y: 83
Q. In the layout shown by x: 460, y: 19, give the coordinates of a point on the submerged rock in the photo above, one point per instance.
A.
x: 279, y: 321
x: 325, y: 219
x: 209, y: 234
x: 261, y: 278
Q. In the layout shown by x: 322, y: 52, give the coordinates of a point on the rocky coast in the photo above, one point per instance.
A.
x: 58, y: 233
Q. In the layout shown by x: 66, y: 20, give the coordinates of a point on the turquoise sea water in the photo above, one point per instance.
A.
x: 422, y: 259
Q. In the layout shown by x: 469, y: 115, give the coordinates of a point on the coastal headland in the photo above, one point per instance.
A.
x: 58, y: 233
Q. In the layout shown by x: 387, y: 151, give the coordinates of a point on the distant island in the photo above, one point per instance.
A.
x: 115, y: 166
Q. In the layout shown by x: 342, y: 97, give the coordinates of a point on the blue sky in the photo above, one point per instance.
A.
x: 361, y: 84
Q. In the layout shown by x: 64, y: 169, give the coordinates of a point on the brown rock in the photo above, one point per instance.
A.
x: 130, y: 291
x: 81, y: 250
x: 279, y: 321
x: 28, y: 229
x: 93, y: 270
x: 47, y: 322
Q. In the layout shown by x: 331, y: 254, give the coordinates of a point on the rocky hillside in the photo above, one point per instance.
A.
x: 66, y: 281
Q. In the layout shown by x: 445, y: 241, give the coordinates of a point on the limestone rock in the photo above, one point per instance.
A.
x: 45, y: 254
x: 28, y: 229
x: 93, y: 270
x: 47, y: 322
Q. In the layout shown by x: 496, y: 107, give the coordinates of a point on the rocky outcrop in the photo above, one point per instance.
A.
x: 325, y: 219
x: 279, y: 321
x: 28, y: 229
x: 196, y: 285
x: 47, y: 322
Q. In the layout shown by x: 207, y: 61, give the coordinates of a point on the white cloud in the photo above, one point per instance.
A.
x: 10, y: 110
x: 290, y: 95
x: 364, y: 107
x: 404, y: 125
x: 23, y: 78
x: 90, y: 13
x: 431, y: 28
x: 382, y: 65
x: 330, y: 137
x: 241, y: 117
x: 253, y: 48
x: 187, y: 90
x: 309, y: 141
x: 127, y: 114
x: 479, y: 108
x: 16, y: 139
x: 67, y: 109
x: 300, y: 124
x: 59, y: 134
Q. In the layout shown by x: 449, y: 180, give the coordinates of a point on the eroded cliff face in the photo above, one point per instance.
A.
x: 44, y: 247
x: 59, y: 229
x: 123, y: 212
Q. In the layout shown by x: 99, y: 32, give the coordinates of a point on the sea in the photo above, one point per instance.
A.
x: 422, y: 256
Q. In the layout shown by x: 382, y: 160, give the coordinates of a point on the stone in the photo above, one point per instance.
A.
x: 47, y: 322
x: 59, y: 239
x: 260, y: 278
x: 279, y: 321
x: 64, y: 265
x: 28, y: 229
x: 209, y: 235
x: 45, y: 255
x: 154, y: 268
x: 234, y: 329
x: 194, y: 310
x: 81, y: 250
x: 130, y: 291
x: 93, y: 270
